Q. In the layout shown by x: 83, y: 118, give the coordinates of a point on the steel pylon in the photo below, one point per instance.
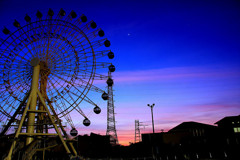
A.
x: 111, y: 125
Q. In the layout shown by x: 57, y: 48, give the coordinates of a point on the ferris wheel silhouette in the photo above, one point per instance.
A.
x: 48, y: 66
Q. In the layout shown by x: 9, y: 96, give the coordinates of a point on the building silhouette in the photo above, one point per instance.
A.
x: 186, y: 141
x: 193, y: 140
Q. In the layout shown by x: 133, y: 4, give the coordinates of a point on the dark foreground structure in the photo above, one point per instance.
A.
x: 192, y: 140
x: 187, y: 141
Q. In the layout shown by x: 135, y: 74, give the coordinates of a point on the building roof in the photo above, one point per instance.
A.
x: 191, y: 125
x: 228, y: 119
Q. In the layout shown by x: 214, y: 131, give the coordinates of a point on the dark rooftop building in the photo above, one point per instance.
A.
x: 93, y: 145
x: 230, y: 125
x: 194, y: 140
x: 194, y: 129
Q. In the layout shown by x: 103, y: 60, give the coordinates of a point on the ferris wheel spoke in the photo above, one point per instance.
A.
x: 96, y: 89
x: 79, y: 77
x: 23, y: 43
x: 58, y: 47
x: 11, y: 107
x: 79, y: 38
x: 68, y: 82
x: 94, y: 45
x: 62, y: 61
x: 85, y: 75
x: 68, y: 91
x: 93, y: 88
x: 98, y: 76
x: 13, y: 82
x: 62, y: 33
x: 15, y: 86
x: 66, y: 49
x: 87, y: 27
x: 58, y: 51
x: 68, y: 76
x: 97, y: 64
x: 30, y: 29
x: 79, y: 110
x: 85, y: 99
x: 88, y: 74
x: 92, y: 35
x: 66, y: 116
x: 69, y: 120
x: 42, y: 30
x: 68, y: 42
x: 84, y: 46
x: 4, y: 112
x: 75, y: 88
x: 10, y: 55
x: 78, y: 21
x: 58, y: 93
x: 27, y: 39
x: 50, y: 27
x: 36, y: 41
x: 98, y: 54
x: 67, y: 109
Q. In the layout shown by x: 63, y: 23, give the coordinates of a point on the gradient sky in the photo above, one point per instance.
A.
x: 184, y: 56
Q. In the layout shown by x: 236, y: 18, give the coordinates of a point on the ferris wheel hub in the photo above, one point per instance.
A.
x: 35, y: 61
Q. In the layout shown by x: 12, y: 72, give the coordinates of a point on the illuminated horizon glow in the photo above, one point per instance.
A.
x: 182, y: 89
x: 182, y: 56
x: 202, y: 94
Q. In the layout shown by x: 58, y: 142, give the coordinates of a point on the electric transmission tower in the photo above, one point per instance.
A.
x: 137, y: 130
x: 111, y: 127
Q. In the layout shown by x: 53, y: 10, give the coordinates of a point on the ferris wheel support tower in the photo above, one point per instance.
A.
x: 31, y: 111
x: 111, y: 126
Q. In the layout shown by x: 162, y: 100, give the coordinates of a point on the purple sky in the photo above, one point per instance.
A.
x: 184, y: 56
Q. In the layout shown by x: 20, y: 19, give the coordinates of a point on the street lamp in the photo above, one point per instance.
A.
x: 151, y: 106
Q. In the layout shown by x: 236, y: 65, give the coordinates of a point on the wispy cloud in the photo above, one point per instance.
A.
x: 176, y: 73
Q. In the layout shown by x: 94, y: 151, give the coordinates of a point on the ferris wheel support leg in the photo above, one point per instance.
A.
x: 73, y: 149
x: 63, y: 131
x: 33, y: 104
x: 54, y: 124
x: 9, y: 157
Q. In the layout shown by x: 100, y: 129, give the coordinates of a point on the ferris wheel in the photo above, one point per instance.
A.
x: 68, y: 49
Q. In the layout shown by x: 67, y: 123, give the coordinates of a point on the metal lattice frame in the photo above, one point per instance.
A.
x: 111, y: 126
x: 137, y: 131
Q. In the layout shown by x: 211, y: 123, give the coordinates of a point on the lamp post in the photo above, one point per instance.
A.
x: 151, y: 106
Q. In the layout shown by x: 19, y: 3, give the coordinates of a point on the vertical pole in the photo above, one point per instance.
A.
x: 153, y: 140
x: 152, y: 118
x: 151, y: 106
x: 33, y: 104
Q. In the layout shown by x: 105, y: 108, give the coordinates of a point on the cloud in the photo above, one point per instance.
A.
x: 176, y: 73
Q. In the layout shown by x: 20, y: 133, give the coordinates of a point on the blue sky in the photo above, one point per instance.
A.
x: 184, y: 56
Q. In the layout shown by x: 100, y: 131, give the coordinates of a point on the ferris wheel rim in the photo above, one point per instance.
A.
x: 68, y: 24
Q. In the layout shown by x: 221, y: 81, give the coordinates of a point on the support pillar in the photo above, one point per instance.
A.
x: 33, y: 104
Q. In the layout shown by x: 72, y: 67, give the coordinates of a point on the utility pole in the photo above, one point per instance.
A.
x: 151, y: 106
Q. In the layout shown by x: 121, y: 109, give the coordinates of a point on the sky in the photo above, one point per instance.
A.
x: 183, y: 56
